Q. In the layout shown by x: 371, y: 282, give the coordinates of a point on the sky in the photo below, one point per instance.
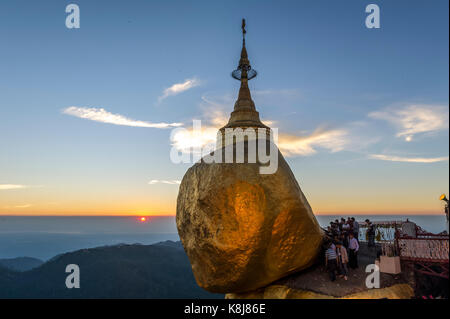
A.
x: 86, y: 114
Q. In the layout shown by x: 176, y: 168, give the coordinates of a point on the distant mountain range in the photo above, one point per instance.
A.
x: 20, y: 263
x: 122, y: 271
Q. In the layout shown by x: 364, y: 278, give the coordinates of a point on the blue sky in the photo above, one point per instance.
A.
x: 367, y: 108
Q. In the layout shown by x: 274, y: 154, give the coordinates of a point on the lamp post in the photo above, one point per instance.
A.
x: 444, y: 198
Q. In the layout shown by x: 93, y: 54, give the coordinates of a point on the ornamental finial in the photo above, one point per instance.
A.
x: 244, y: 69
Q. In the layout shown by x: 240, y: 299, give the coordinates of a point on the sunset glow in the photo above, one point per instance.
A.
x: 99, y: 142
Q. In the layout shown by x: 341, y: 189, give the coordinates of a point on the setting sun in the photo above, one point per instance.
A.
x: 143, y: 219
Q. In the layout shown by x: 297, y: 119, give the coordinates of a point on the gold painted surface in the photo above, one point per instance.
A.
x: 242, y: 230
x: 399, y: 291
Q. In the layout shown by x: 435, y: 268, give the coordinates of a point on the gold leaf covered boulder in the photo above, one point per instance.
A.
x: 241, y: 229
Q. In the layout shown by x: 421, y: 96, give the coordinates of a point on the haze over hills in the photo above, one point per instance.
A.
x: 122, y: 271
x: 44, y: 237
x: 129, y: 271
x: 20, y: 263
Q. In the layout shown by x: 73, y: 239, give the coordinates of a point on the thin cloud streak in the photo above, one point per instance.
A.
x: 290, y: 145
x: 286, y: 93
x: 169, y: 182
x: 18, y: 206
x: 12, y: 186
x: 408, y: 159
x: 23, y: 206
x: 415, y: 119
x: 103, y: 116
x: 216, y: 113
x: 333, y: 140
x: 177, y: 88
x: 188, y: 140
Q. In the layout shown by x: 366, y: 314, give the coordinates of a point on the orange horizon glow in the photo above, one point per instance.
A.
x: 138, y: 206
x: 369, y: 199
x: 145, y: 217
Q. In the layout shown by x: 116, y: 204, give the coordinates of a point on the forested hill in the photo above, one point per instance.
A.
x: 122, y: 271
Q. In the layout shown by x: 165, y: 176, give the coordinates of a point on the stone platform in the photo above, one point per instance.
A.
x: 314, y: 283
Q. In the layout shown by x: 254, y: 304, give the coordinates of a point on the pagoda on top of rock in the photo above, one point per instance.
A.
x: 244, y: 114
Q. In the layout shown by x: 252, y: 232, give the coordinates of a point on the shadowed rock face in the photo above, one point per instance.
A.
x: 243, y: 230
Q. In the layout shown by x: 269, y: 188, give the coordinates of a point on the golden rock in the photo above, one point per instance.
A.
x: 241, y: 229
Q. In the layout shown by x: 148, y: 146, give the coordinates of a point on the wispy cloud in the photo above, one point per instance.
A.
x: 12, y: 186
x: 101, y: 115
x: 198, y: 141
x: 214, y: 117
x: 177, y: 88
x: 286, y: 93
x: 290, y: 145
x: 18, y: 206
x: 216, y: 111
x: 415, y: 119
x: 408, y: 159
x: 169, y: 182
x: 334, y: 140
x: 23, y: 206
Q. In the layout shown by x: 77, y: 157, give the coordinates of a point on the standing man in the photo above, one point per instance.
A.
x: 355, y: 228
x: 342, y: 223
x: 331, y: 261
x: 370, y: 234
x: 353, y: 247
x: 342, y: 259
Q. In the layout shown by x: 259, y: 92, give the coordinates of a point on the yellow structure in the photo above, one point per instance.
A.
x: 399, y: 291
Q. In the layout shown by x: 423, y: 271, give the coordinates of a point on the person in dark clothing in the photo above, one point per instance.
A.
x: 331, y: 261
x: 335, y: 238
x: 338, y: 225
x: 355, y: 225
x: 353, y: 247
x: 344, y: 240
x: 370, y: 234
x: 341, y: 224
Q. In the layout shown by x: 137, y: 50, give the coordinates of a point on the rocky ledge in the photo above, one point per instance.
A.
x: 314, y: 283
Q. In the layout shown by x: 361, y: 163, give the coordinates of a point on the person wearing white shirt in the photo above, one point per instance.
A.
x: 353, y: 248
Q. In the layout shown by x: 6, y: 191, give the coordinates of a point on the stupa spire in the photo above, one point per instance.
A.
x: 244, y: 114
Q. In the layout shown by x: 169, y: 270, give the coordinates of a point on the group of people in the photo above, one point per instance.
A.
x: 342, y: 251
